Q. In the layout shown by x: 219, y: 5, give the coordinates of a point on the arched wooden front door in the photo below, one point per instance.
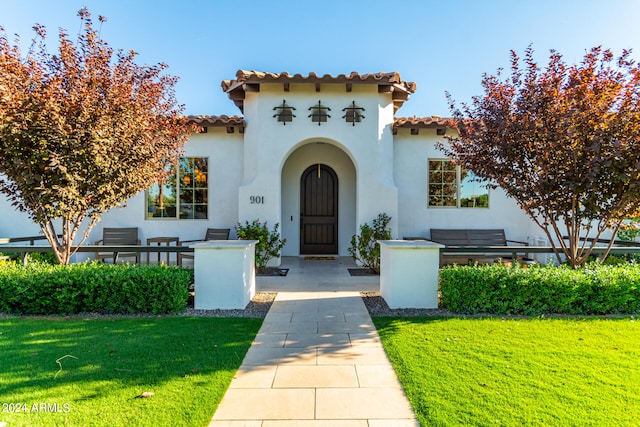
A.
x: 319, y: 211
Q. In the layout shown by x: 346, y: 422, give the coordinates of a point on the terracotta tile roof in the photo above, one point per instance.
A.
x: 217, y: 120
x: 416, y: 123
x: 244, y: 76
x: 230, y: 122
x: 250, y: 81
x: 422, y: 122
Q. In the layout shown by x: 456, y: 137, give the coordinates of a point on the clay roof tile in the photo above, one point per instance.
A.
x: 423, y: 122
x: 217, y: 120
x: 236, y: 88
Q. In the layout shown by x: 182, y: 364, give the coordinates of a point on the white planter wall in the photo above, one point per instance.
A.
x: 224, y: 274
x: 409, y: 273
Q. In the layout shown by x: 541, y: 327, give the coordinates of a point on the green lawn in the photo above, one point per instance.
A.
x: 517, y: 372
x: 90, y: 371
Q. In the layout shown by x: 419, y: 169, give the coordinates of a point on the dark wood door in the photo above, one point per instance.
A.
x: 319, y: 211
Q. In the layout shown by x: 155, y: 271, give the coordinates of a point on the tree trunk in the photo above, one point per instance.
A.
x: 63, y: 244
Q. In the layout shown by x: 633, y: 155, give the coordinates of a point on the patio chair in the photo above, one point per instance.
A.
x: 119, y: 237
x: 211, y: 234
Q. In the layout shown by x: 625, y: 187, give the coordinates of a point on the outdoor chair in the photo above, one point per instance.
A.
x: 119, y: 237
x: 211, y: 234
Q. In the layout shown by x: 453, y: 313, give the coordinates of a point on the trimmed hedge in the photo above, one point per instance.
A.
x: 498, y: 289
x: 41, y: 288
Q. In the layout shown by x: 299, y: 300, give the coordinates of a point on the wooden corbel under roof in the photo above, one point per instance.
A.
x: 250, y: 81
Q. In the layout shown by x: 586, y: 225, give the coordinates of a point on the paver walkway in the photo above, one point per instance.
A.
x: 316, y: 361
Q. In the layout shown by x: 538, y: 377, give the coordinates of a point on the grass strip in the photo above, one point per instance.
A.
x: 89, y: 372
x: 513, y: 372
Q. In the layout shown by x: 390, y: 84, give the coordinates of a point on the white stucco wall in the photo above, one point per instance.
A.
x: 268, y: 145
x: 14, y: 223
x: 225, y: 153
x: 415, y: 218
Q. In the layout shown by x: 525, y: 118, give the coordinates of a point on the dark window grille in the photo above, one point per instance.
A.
x: 319, y: 113
x: 284, y: 113
x: 353, y: 114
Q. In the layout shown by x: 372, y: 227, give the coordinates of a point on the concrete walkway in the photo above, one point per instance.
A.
x: 316, y: 361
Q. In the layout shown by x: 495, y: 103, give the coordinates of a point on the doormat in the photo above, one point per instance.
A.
x: 272, y: 271
x: 319, y: 258
x: 362, y: 272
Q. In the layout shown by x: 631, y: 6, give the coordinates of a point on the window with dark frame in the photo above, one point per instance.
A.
x: 183, y: 194
x: 454, y: 186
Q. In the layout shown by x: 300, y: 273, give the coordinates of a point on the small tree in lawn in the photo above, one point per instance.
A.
x: 564, y: 142
x: 82, y: 131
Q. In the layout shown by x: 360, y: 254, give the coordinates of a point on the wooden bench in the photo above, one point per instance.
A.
x: 472, y: 238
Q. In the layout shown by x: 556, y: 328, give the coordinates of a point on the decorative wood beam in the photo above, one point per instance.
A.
x: 349, y: 87
x: 230, y: 129
x: 252, y: 87
x: 236, y: 95
x: 415, y: 131
x: 286, y: 86
x: 317, y: 87
x: 400, y: 96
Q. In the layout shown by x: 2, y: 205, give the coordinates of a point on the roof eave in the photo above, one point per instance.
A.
x: 250, y: 81
x: 229, y: 122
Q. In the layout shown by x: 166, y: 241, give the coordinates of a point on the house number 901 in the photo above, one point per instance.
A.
x: 256, y: 200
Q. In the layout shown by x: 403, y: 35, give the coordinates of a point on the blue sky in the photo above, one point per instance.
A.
x: 440, y: 45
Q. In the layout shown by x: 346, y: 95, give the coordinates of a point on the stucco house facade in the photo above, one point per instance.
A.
x: 319, y: 155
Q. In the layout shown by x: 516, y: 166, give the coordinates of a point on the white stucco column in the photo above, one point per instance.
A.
x: 259, y: 195
x: 409, y: 273
x: 377, y: 191
x: 224, y: 274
